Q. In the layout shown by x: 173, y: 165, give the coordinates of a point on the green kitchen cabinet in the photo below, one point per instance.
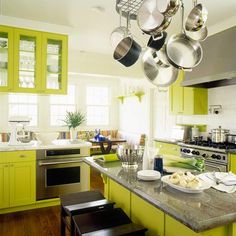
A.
x: 232, y: 165
x: 6, y: 58
x: 172, y: 226
x: 4, y: 185
x: 17, y: 178
x: 167, y: 148
x: 37, y: 61
x: 187, y: 101
x: 145, y: 214
x: 119, y: 195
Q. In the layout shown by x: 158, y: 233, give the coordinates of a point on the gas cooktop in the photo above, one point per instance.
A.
x: 210, y: 144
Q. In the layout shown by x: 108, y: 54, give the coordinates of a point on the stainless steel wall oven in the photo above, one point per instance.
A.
x: 61, y: 171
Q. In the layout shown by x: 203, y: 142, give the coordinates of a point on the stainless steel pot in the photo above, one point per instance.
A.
x: 231, y: 138
x: 168, y: 7
x: 219, y: 135
x: 150, y: 20
x: 182, y: 51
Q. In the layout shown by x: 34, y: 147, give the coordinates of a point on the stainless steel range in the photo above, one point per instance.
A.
x: 215, y: 154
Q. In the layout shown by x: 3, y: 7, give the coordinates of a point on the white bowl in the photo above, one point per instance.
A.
x: 46, y: 137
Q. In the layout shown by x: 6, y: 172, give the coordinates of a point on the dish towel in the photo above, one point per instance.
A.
x: 222, y: 181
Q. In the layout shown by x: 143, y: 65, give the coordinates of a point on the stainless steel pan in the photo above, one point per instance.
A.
x: 168, y: 7
x: 156, y: 71
x: 199, y: 35
x: 157, y: 42
x: 196, y: 18
x: 150, y: 20
x: 182, y: 51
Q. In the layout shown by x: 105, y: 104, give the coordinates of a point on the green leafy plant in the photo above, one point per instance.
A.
x: 74, y: 119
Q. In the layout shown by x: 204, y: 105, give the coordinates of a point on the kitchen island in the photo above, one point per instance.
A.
x: 165, y: 211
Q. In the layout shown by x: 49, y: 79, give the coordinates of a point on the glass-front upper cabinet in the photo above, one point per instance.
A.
x: 6, y: 58
x: 54, y: 63
x: 27, y: 60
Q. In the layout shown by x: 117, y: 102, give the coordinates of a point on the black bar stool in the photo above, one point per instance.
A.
x: 78, y: 203
x: 107, y: 222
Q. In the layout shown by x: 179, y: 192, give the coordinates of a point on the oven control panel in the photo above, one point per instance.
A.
x: 206, y: 154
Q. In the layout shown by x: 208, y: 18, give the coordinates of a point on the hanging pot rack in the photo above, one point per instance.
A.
x: 128, y: 7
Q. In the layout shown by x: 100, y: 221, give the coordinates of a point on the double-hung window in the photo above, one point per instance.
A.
x: 97, y: 101
x: 60, y: 104
x: 24, y: 105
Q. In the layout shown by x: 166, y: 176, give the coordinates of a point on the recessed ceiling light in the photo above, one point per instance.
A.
x: 98, y: 9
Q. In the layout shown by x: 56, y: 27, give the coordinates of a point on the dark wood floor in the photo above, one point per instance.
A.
x: 39, y: 222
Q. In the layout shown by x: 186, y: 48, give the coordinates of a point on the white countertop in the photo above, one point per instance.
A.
x: 34, y: 145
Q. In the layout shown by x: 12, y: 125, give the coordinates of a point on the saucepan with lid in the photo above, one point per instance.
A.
x: 219, y: 135
x: 231, y: 138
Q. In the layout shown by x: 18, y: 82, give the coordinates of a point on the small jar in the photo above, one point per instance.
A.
x: 158, y: 163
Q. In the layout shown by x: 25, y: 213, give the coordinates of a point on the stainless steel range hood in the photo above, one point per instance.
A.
x: 218, y: 66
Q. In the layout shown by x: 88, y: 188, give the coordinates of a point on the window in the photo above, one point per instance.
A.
x: 24, y: 105
x: 59, y: 104
x: 97, y: 100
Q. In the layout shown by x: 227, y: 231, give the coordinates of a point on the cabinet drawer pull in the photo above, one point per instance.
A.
x: 6, y: 165
x: 11, y: 165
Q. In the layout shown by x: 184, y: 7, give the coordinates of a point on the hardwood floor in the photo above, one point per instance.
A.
x: 39, y: 222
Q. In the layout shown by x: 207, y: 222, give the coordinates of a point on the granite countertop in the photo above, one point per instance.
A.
x: 172, y: 141
x: 199, y: 212
x: 34, y: 145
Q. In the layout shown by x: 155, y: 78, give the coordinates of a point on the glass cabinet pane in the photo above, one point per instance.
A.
x: 3, y: 59
x: 27, y: 62
x: 54, y: 64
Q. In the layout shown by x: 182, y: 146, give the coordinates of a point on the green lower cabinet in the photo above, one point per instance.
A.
x: 4, y: 186
x: 119, y: 195
x: 174, y: 227
x: 167, y: 148
x: 186, y: 100
x: 145, y: 214
x: 22, y: 183
x: 232, y: 166
x: 17, y: 179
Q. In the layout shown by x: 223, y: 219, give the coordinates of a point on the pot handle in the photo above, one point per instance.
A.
x: 155, y: 38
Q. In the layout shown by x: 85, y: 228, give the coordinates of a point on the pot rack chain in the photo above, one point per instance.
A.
x: 128, y: 7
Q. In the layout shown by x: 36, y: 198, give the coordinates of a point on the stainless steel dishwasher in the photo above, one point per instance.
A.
x: 61, y: 171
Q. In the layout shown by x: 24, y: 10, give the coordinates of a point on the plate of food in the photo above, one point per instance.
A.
x: 185, y: 182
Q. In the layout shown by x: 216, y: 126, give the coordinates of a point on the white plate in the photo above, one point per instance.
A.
x: 204, y: 185
x: 148, y: 175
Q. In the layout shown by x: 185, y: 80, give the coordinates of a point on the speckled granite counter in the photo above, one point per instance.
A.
x: 172, y: 141
x: 199, y: 212
x: 58, y: 144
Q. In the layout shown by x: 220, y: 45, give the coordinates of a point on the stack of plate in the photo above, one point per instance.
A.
x: 148, y: 175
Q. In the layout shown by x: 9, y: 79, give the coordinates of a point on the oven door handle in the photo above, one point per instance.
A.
x: 41, y: 163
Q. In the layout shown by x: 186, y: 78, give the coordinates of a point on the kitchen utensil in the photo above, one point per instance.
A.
x: 168, y: 7
x: 156, y: 71
x: 231, y: 138
x: 199, y: 35
x: 195, y: 132
x: 219, y: 135
x: 150, y: 20
x: 130, y: 156
x: 196, y: 18
x: 182, y: 51
x: 127, y: 51
x: 119, y: 33
x: 157, y: 42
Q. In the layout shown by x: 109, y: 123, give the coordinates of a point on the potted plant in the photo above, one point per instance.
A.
x: 73, y: 120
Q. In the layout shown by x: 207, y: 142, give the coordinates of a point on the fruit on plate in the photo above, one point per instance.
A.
x: 185, y: 179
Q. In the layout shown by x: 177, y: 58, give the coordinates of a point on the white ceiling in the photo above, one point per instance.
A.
x: 91, y: 29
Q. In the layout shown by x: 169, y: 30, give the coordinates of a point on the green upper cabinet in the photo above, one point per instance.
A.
x: 36, y: 61
x: 6, y: 58
x: 187, y: 101
x: 54, y: 66
x: 27, y: 60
